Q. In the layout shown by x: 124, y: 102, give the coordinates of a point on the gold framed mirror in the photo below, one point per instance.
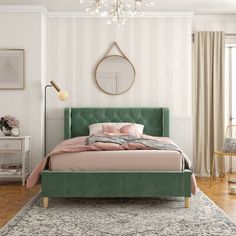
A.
x: 115, y: 74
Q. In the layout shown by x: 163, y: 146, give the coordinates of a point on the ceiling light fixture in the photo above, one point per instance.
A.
x: 116, y: 10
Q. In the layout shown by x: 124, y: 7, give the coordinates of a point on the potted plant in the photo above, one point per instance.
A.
x: 7, y: 123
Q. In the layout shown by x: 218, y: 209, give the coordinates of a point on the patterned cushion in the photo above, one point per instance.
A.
x: 229, y: 145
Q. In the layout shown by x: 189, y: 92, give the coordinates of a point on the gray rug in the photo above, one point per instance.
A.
x: 129, y: 217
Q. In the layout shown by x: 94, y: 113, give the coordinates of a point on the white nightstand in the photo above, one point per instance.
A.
x: 16, y: 145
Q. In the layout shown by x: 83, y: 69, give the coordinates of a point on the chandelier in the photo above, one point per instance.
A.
x: 116, y: 10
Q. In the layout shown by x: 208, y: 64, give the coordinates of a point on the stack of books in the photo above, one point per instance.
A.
x: 10, y: 169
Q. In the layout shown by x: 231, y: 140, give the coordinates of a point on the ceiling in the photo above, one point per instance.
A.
x: 197, y: 6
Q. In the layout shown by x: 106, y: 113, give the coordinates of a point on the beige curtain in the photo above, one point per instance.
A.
x: 208, y: 102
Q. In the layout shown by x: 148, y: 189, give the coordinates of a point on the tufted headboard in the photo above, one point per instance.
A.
x: 77, y: 120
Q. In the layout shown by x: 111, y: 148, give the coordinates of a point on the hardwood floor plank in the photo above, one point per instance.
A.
x: 218, y: 193
x: 13, y: 196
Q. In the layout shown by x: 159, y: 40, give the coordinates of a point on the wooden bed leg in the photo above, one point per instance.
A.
x: 45, y: 202
x: 187, y: 202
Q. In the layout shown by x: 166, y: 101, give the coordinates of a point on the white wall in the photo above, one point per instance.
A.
x: 66, y: 49
x: 214, y: 23
x: 24, y: 30
x: 160, y: 50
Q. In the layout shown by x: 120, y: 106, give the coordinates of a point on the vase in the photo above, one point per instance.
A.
x: 6, y: 132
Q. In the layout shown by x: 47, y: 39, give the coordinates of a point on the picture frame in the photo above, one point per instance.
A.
x: 12, y: 69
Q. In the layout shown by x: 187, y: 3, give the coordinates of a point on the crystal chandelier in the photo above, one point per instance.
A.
x: 116, y: 10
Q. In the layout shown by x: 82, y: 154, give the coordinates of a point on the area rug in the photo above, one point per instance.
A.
x: 120, y: 217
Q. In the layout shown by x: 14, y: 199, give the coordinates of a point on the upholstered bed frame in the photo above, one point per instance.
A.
x: 118, y: 183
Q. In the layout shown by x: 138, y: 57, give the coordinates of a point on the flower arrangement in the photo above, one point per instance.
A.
x: 9, y: 122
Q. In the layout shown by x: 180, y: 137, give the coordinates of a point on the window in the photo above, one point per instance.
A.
x: 230, y: 92
x: 230, y: 85
x: 233, y: 86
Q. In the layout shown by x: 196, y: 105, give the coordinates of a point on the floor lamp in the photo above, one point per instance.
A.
x: 62, y: 96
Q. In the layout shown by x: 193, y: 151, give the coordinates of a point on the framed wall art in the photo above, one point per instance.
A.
x: 12, y: 69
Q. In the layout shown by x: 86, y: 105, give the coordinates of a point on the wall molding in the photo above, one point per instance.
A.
x: 79, y: 14
x: 153, y: 14
x: 213, y: 16
x: 148, y: 14
x: 203, y: 16
x: 23, y: 9
x: 187, y: 117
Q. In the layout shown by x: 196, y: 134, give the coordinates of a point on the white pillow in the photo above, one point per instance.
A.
x: 98, y: 129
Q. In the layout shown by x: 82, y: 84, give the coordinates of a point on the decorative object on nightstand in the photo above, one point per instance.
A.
x: 62, y: 96
x: 15, y: 131
x: 15, y: 145
x: 8, y: 123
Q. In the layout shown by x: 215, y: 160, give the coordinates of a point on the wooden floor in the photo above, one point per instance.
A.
x: 13, y: 197
x: 218, y: 193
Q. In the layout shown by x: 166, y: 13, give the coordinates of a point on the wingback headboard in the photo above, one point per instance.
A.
x: 77, y: 120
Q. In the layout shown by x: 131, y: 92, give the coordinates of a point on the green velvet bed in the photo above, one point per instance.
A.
x: 116, y: 183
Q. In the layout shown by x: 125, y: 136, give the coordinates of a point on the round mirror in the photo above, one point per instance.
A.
x: 114, y: 74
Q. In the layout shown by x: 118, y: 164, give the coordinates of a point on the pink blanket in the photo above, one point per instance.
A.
x: 78, y: 144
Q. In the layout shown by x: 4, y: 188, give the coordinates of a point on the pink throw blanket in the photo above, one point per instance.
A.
x: 78, y: 144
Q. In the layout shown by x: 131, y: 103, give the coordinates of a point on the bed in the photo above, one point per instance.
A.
x: 119, y: 183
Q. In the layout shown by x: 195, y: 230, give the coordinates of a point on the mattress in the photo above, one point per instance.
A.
x: 125, y: 160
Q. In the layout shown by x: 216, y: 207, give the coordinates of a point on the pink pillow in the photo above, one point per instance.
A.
x: 129, y: 129
x: 110, y: 129
x: 114, y: 134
